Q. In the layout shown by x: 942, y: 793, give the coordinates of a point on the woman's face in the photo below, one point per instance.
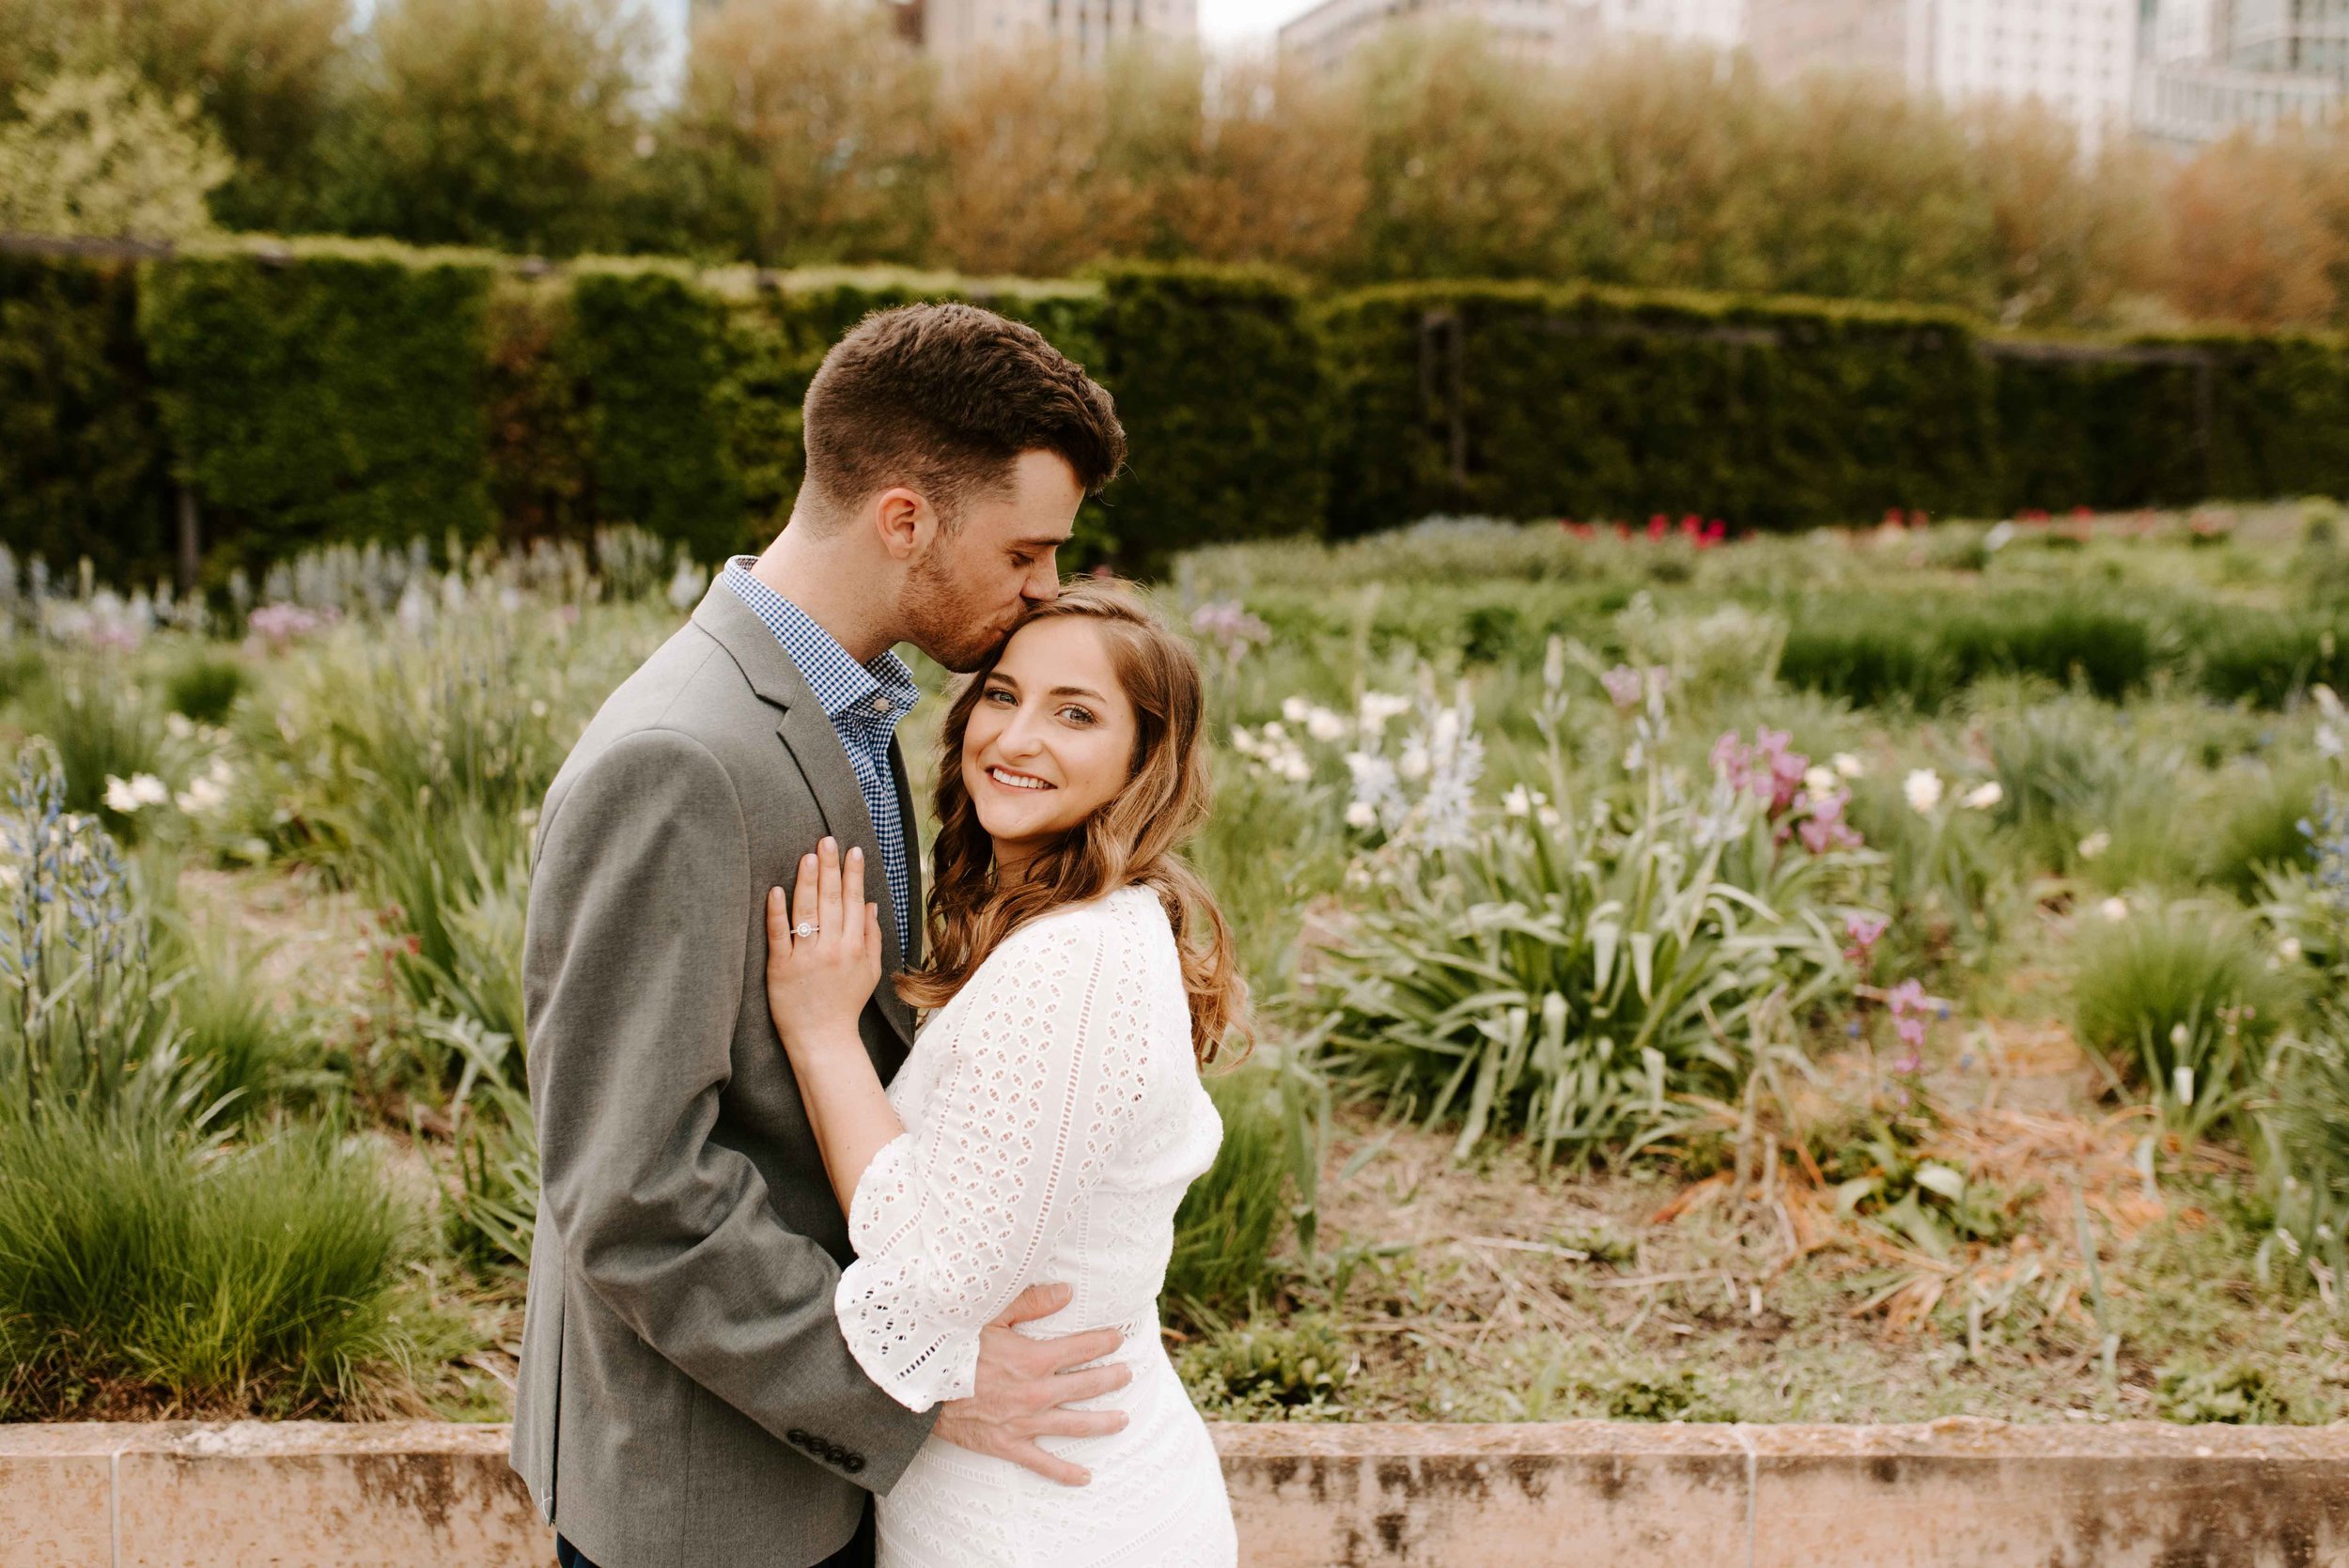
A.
x: 1050, y: 739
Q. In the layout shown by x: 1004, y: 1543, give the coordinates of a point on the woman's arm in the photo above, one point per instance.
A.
x: 817, y: 988
x: 1042, y: 1077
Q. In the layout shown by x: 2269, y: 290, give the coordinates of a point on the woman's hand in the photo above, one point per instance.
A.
x: 823, y: 952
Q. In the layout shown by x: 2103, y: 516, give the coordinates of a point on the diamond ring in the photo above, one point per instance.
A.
x: 805, y: 928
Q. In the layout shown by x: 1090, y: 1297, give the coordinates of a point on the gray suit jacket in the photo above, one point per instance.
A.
x: 686, y: 1397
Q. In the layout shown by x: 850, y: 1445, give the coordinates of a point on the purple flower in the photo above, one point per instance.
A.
x: 1624, y: 686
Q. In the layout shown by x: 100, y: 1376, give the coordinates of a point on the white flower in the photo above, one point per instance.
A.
x: 1274, y: 731
x: 202, y: 796
x: 1983, y: 796
x: 1361, y: 814
x: 1294, y: 767
x: 1378, y: 707
x: 1518, y: 802
x: 178, y: 726
x: 1923, y: 790
x: 2095, y: 844
x: 2182, y: 1076
x: 1849, y: 766
x: 141, y: 789
x: 1294, y: 708
x: 2289, y: 950
x: 1999, y: 536
x: 1324, y: 725
x: 2179, y: 1039
x: 1819, y: 780
x: 1447, y: 731
x: 1547, y: 816
x: 1243, y: 741
x: 2115, y: 908
x: 538, y: 708
x: 1413, y: 763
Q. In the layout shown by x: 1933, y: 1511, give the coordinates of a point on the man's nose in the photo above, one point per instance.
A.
x: 1043, y: 584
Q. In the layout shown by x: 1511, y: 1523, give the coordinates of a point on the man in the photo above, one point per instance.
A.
x: 686, y: 1397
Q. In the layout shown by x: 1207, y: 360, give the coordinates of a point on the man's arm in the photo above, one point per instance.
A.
x: 638, y: 922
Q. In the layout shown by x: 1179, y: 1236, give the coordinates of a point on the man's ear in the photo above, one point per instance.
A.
x: 904, y: 521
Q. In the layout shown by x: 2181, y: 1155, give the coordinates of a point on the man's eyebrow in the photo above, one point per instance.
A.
x: 1051, y: 541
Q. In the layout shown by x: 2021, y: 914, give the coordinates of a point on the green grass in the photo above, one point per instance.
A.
x: 139, y: 1265
x: 1232, y: 1217
x: 2179, y: 987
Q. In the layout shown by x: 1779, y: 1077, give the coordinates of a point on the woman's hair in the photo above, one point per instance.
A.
x: 1133, y: 838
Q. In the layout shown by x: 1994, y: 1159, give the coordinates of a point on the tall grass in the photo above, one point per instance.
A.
x: 140, y: 1267
x: 1231, y: 1218
x: 2181, y: 1000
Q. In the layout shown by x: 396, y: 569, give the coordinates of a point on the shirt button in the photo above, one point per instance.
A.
x: 880, y: 705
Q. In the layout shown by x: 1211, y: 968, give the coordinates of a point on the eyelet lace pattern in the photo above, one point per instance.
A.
x: 1053, y: 1119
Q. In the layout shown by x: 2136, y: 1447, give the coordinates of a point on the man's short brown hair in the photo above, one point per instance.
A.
x: 942, y: 398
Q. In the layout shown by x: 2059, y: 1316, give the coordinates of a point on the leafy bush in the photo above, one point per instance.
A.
x: 203, y: 688
x: 136, y: 1262
x: 1926, y: 650
x: 2178, y: 999
x: 101, y: 728
x: 2258, y: 830
x: 1573, y: 979
x: 1298, y: 1368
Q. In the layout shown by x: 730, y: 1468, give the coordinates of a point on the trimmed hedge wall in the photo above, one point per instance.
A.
x: 82, y: 459
x: 335, y: 396
x: 1526, y: 400
x: 332, y: 390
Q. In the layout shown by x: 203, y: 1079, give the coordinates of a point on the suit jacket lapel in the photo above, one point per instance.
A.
x: 805, y: 731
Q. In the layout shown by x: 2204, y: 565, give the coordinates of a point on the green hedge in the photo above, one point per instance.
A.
x: 81, y: 458
x: 1524, y: 400
x: 331, y: 393
x: 332, y: 390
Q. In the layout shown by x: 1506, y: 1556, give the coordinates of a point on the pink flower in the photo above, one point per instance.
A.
x: 1728, y: 755
x: 1624, y: 686
x: 1657, y: 525
x: 1865, y: 931
x: 1824, y: 828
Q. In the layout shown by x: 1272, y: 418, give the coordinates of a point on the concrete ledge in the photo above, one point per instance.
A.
x: 1957, y: 1494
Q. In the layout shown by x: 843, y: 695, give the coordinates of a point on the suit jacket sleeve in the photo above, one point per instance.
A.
x: 637, y: 942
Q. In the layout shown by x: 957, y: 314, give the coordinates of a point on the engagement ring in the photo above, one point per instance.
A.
x: 805, y: 928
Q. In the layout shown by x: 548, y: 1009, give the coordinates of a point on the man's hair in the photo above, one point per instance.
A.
x: 942, y: 398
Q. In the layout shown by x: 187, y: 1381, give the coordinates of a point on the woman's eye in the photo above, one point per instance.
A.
x: 1077, y: 715
x: 998, y: 693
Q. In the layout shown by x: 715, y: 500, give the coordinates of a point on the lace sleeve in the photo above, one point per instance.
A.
x: 1042, y: 1078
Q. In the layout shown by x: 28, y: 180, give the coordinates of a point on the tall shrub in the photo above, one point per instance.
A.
x: 336, y: 395
x: 1524, y: 400
x: 82, y: 458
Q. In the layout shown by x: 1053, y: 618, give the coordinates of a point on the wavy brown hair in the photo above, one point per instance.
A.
x: 1136, y: 837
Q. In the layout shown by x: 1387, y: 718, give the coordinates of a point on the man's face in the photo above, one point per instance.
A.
x: 963, y: 594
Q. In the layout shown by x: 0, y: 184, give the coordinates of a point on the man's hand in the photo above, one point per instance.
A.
x: 1022, y: 1385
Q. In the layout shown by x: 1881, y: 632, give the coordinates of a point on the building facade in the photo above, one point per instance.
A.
x: 2216, y: 67
x: 2077, y: 57
x: 1088, y: 29
x: 1555, y: 31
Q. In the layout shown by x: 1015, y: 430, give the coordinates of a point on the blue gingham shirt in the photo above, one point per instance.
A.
x: 864, y: 701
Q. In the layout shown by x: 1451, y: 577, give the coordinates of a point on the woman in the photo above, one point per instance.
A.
x: 1051, y: 1115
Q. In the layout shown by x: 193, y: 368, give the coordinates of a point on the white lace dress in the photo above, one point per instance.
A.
x: 1053, y: 1118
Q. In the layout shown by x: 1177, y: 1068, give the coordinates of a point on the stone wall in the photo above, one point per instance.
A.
x: 1958, y: 1494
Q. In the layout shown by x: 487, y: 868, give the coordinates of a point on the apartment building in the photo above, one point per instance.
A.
x: 1087, y: 28
x: 1557, y: 31
x: 2078, y: 57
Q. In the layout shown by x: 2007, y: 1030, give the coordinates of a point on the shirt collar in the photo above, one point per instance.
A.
x: 878, y: 691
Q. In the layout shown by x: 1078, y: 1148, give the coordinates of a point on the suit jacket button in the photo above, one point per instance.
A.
x: 796, y: 1437
x: 854, y: 1463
